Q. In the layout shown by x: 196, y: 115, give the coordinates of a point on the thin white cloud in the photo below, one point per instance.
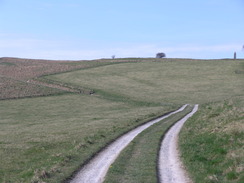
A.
x: 151, y: 50
x: 36, y: 48
x: 211, y: 48
x: 19, y: 43
x: 148, y: 51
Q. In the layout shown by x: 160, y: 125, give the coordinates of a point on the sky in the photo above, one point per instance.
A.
x: 94, y: 29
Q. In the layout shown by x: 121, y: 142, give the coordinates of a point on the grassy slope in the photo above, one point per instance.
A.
x: 175, y: 81
x: 47, y: 138
x: 212, y: 142
x: 168, y: 82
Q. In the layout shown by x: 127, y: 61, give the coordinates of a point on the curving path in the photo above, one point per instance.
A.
x: 171, y: 169
x: 96, y: 169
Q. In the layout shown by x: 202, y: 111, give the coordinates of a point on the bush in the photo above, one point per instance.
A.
x: 160, y: 55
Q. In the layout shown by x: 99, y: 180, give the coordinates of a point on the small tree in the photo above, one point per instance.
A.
x: 113, y: 56
x: 160, y: 55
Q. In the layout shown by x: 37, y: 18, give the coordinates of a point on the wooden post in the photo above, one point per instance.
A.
x: 235, y: 55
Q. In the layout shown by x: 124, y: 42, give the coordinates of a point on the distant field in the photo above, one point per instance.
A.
x: 47, y: 138
x: 174, y: 81
x: 17, y: 75
x: 13, y: 89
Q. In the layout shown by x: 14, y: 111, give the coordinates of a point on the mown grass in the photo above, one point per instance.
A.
x: 138, y: 162
x: 47, y: 138
x: 193, y: 81
x: 212, y: 142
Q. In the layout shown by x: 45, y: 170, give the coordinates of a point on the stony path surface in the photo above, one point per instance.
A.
x: 171, y: 169
x: 95, y: 171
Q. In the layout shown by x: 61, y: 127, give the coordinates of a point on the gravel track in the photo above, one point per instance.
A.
x: 95, y: 171
x: 171, y: 169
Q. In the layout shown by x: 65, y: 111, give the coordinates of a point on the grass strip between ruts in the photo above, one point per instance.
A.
x: 138, y: 162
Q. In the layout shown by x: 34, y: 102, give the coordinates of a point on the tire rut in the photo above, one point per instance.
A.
x: 170, y: 168
x: 96, y: 169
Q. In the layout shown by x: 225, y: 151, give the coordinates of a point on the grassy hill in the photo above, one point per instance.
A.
x: 47, y: 138
x: 169, y: 81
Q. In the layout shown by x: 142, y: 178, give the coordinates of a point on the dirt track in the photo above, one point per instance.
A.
x: 96, y: 169
x: 171, y: 169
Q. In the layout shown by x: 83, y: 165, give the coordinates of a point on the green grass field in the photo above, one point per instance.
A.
x: 47, y: 138
x: 56, y: 134
x: 175, y: 81
x: 212, y: 142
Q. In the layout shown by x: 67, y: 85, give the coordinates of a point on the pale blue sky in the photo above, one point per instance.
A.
x: 82, y: 29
